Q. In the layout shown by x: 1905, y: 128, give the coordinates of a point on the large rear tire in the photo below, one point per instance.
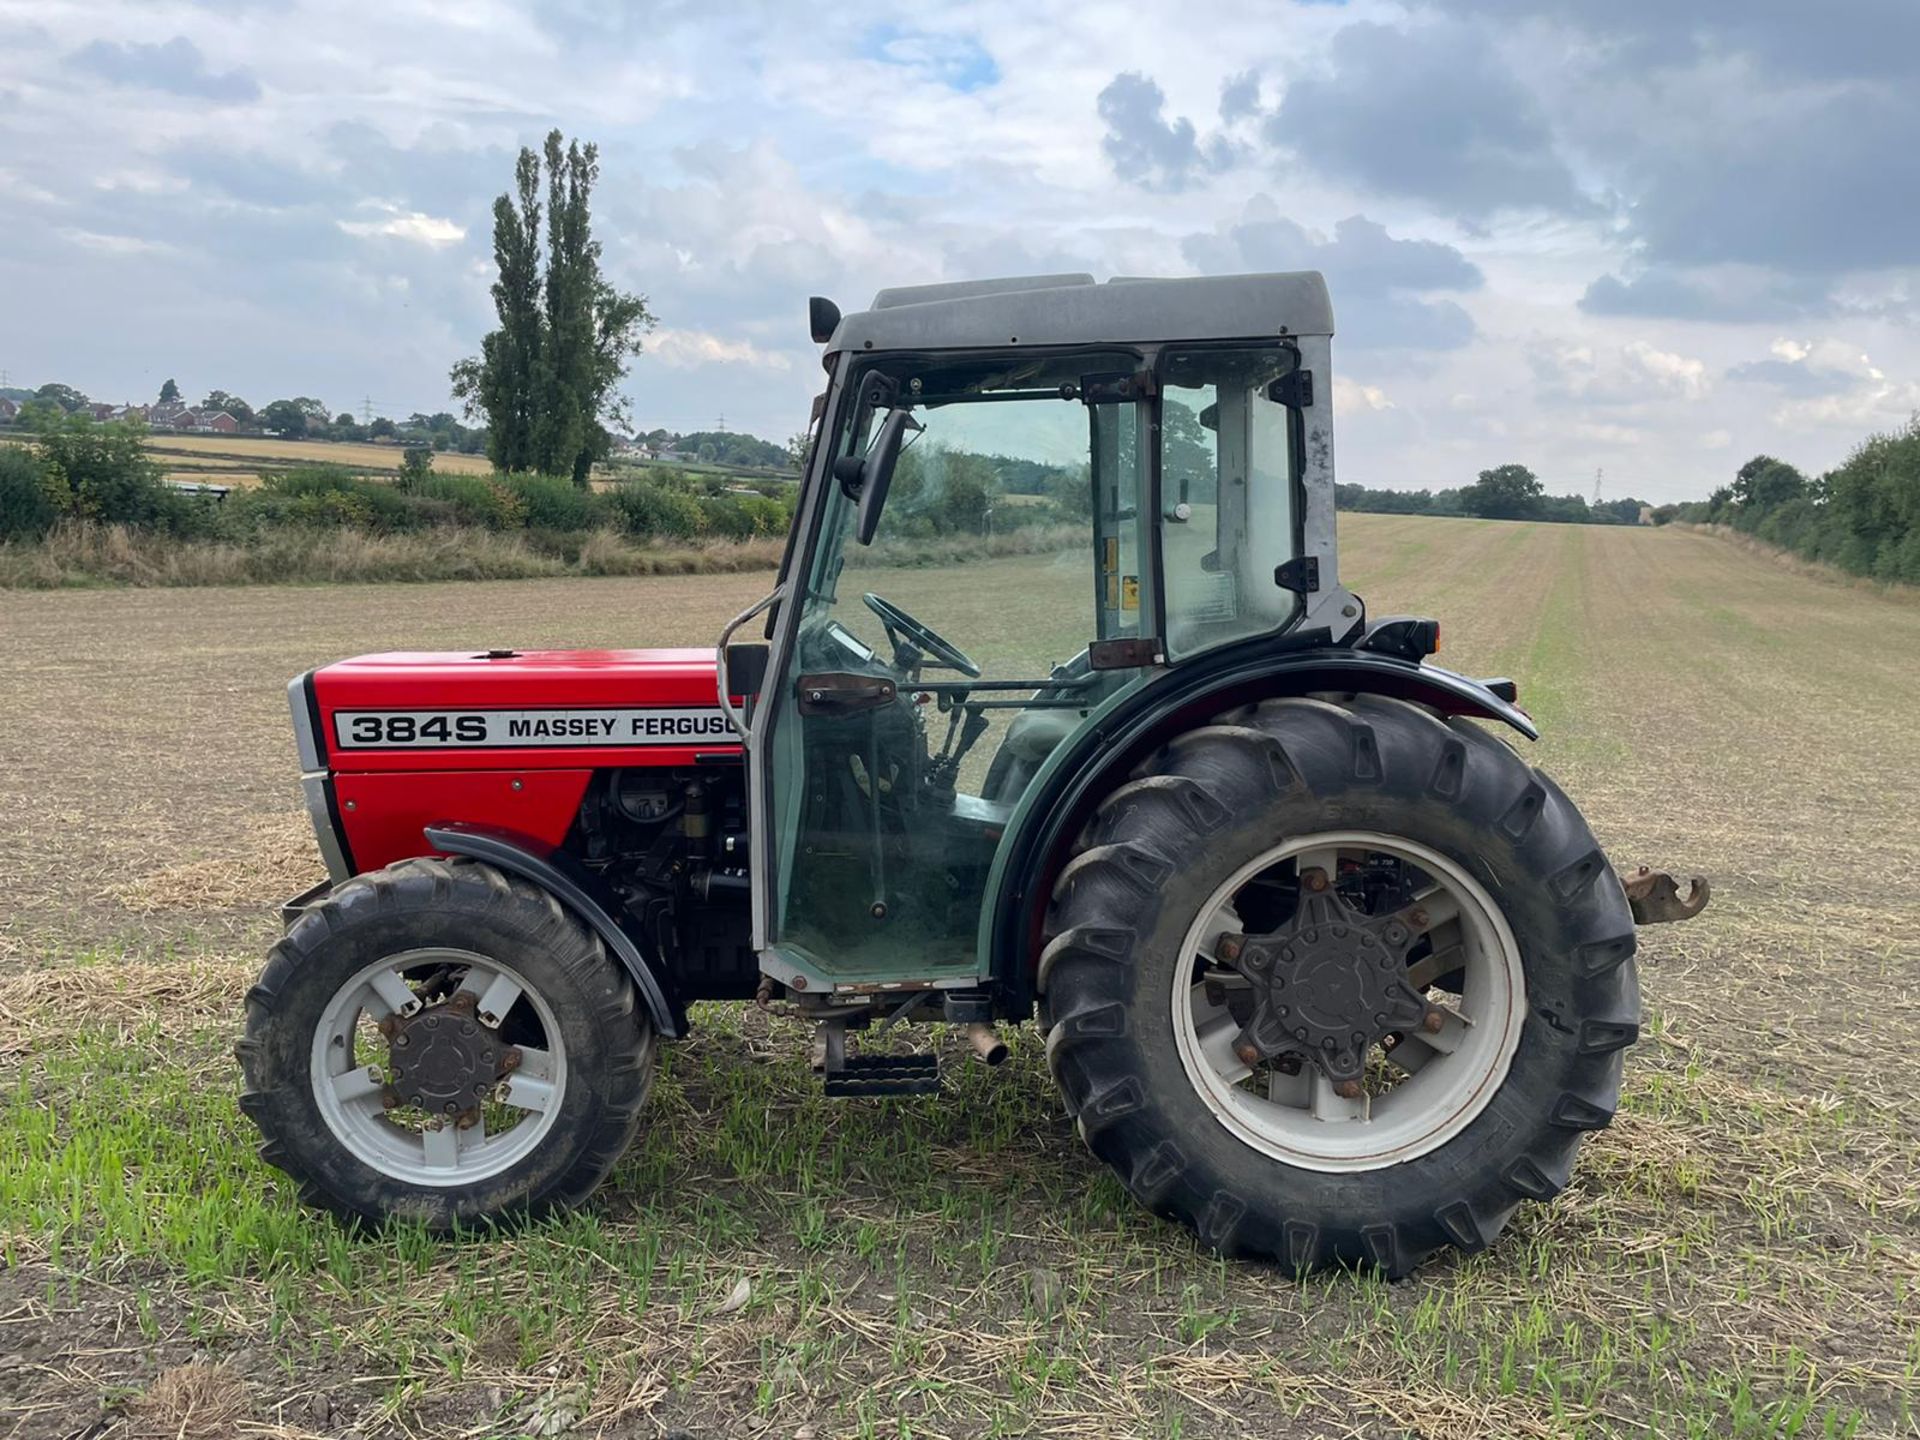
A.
x: 1529, y: 1015
x: 443, y: 1043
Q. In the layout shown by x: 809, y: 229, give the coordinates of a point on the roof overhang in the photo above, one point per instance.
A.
x: 1052, y: 310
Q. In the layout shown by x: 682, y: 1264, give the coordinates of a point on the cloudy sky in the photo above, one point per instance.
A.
x: 1657, y: 237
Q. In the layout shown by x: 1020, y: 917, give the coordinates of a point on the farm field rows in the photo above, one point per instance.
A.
x: 246, y: 457
x: 1739, y: 1254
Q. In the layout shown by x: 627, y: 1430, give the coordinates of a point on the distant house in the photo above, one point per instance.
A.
x: 217, y: 420
x: 9, y: 411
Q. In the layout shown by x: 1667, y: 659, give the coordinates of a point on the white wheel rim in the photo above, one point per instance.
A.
x: 1300, y: 1120
x: 348, y: 1092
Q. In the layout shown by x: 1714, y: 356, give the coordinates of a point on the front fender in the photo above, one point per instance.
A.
x: 553, y: 871
x: 1100, y: 757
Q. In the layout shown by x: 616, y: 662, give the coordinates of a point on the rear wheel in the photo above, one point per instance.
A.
x: 1339, y: 983
x: 441, y: 1042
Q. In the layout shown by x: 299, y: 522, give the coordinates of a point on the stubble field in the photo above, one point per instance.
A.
x: 1738, y: 1256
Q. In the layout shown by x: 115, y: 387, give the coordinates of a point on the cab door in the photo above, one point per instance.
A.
x: 919, y: 683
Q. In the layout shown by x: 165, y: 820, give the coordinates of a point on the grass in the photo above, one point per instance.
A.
x: 1737, y: 1255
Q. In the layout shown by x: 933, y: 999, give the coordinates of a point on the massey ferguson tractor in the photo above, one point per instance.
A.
x: 1325, y: 970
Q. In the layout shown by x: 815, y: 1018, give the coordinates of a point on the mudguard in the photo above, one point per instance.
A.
x: 1101, y: 756
x: 555, y: 872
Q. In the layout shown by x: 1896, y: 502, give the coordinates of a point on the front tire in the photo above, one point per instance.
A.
x: 443, y: 1043
x: 1533, y: 992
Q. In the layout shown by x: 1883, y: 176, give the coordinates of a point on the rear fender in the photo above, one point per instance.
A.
x: 554, y: 871
x: 1102, y: 757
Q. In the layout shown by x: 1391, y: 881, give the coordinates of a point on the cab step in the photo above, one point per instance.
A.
x: 863, y: 1075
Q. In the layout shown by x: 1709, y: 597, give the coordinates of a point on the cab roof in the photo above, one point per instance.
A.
x: 1043, y: 310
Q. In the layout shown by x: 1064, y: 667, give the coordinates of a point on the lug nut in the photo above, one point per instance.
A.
x: 1314, y: 879
x: 1349, y: 1090
x: 401, y: 1041
x: 1229, y: 947
x: 1247, y: 1053
x: 1417, y: 918
x: 1434, y: 1022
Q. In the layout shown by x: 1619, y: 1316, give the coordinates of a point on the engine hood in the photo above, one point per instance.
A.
x: 530, y: 677
x: 519, y: 709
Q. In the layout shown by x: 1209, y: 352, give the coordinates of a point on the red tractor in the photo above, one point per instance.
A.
x: 1325, y: 969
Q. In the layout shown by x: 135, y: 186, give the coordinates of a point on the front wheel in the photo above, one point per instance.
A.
x: 1339, y: 983
x: 441, y: 1042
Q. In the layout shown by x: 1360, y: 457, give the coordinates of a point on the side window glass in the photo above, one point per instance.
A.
x: 1228, y: 482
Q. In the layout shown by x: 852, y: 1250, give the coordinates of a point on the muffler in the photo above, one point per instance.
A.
x: 986, y: 1042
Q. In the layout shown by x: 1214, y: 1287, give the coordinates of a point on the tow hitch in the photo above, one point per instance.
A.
x: 1654, y: 896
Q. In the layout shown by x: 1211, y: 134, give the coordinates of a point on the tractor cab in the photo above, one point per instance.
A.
x: 1024, y: 501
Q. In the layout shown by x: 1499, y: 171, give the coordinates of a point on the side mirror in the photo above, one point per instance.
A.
x: 822, y: 317
x: 876, y: 471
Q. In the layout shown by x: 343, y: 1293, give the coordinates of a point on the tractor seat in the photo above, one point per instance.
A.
x: 1035, y: 734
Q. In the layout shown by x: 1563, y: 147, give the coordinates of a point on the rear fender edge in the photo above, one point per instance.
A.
x: 1103, y: 756
x: 555, y: 873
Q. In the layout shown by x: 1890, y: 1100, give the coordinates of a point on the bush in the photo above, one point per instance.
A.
x: 470, y: 500
x: 744, y: 517
x: 321, y: 497
x: 27, y: 507
x: 554, y: 502
x: 103, y: 473
x: 646, y: 509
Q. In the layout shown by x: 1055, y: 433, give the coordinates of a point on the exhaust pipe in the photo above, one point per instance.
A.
x: 986, y: 1043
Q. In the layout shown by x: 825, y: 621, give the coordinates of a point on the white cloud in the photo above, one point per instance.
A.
x: 1680, y: 374
x: 105, y: 244
x: 17, y: 185
x: 1352, y: 395
x: 409, y: 225
x: 683, y: 349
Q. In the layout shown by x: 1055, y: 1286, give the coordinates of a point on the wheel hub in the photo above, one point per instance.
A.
x: 1329, y: 984
x: 444, y: 1061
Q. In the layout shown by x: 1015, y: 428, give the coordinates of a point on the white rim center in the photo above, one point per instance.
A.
x: 1442, y: 1080
x: 349, y: 1090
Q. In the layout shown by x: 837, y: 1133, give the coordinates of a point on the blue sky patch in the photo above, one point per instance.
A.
x: 959, y: 62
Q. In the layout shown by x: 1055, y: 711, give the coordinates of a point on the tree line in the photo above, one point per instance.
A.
x: 1862, y: 516
x: 299, y: 417
x: 1506, y: 492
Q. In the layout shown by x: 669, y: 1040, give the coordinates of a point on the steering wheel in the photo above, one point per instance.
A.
x: 899, y: 625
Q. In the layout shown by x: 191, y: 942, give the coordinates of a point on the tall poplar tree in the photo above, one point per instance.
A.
x: 547, y: 380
